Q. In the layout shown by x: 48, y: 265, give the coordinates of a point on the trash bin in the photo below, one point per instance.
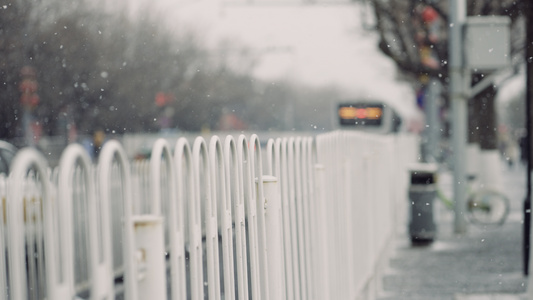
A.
x: 422, y: 193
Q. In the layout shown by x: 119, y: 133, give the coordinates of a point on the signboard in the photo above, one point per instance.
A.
x: 487, y: 43
x: 361, y: 114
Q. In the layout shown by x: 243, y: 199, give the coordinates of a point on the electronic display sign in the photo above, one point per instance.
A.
x: 361, y: 114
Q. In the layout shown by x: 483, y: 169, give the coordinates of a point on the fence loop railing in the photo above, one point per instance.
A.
x: 74, y: 173
x: 203, y: 195
x: 113, y: 165
x: 234, y: 184
x: 161, y: 157
x: 247, y: 194
x: 194, y: 212
x: 302, y: 218
x: 256, y: 171
x: 181, y: 225
x: 221, y: 195
x: 27, y: 161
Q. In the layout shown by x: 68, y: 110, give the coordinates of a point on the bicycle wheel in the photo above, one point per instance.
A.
x: 488, y: 207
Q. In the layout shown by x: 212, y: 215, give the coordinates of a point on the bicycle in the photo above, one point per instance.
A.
x: 484, y: 206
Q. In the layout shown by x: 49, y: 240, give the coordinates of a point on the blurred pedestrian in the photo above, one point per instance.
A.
x: 523, y: 149
x: 95, y: 144
x: 511, y: 152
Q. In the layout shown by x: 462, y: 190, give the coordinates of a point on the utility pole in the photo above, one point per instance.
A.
x: 459, y: 111
x: 432, y: 130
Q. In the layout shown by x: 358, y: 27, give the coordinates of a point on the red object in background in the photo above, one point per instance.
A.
x: 28, y: 87
x: 229, y: 121
x: 34, y: 100
x: 28, y: 71
x: 29, y: 100
x: 162, y: 99
x: 429, y: 14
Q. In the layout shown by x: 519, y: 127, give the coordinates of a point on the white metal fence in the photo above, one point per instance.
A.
x: 304, y: 218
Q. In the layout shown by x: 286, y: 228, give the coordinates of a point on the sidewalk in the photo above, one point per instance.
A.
x: 485, y: 263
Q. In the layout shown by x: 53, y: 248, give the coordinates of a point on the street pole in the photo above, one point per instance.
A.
x: 433, y: 127
x: 459, y: 111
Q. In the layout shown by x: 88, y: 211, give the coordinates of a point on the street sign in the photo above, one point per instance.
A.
x: 487, y: 43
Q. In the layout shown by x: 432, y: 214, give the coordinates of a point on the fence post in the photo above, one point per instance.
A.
x: 149, y: 231
x: 273, y: 223
x: 150, y: 257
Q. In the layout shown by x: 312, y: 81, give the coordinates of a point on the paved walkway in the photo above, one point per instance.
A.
x: 485, y: 263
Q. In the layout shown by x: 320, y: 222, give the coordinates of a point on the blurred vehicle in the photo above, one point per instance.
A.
x: 7, y: 152
x: 372, y: 116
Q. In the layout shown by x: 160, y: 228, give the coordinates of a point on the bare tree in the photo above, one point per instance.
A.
x: 14, y: 17
x: 107, y: 70
x: 414, y: 34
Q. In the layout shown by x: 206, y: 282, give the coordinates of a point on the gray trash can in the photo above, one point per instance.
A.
x: 422, y: 193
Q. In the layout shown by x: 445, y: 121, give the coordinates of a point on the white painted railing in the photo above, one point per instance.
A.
x: 305, y: 218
